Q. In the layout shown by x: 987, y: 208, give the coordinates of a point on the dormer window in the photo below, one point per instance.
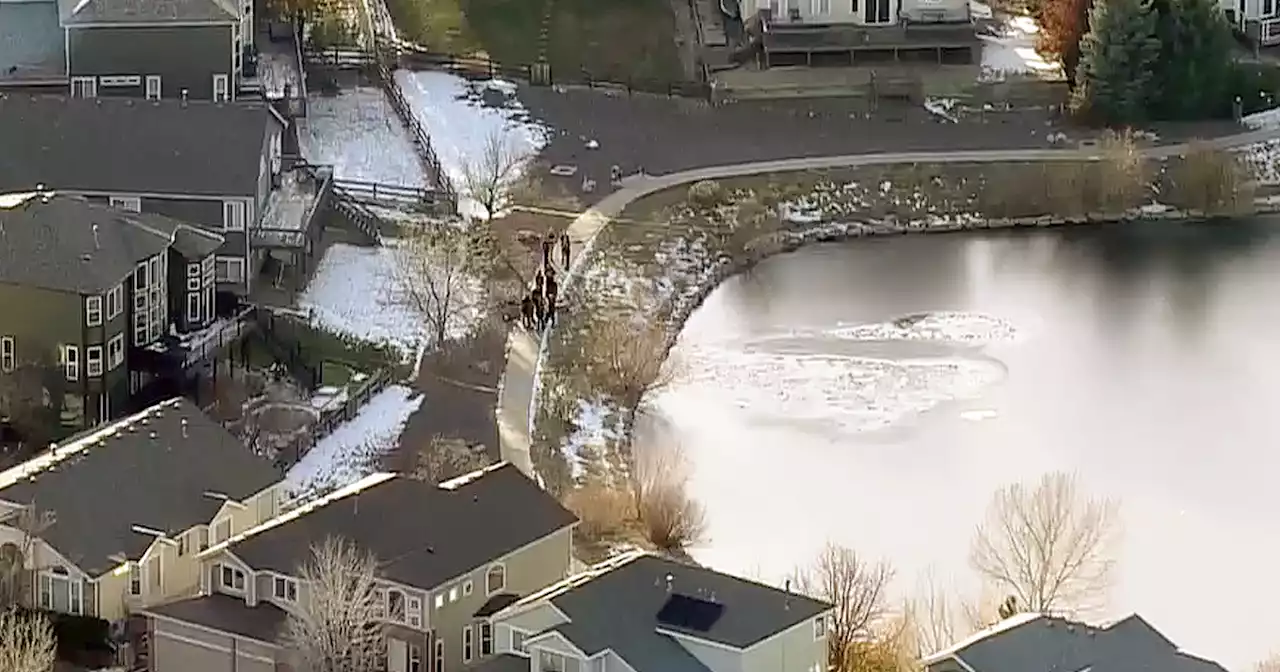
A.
x: 495, y: 580
x: 231, y: 578
x: 551, y: 661
x: 285, y: 589
x: 820, y: 627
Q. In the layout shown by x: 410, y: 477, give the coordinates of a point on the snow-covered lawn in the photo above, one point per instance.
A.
x: 361, y: 136
x: 353, y: 449
x: 278, y: 72
x: 598, y: 425
x: 359, y: 292
x: 1011, y: 48
x: 460, y: 124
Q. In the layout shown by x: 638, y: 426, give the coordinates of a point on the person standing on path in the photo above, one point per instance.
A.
x: 539, y: 310
x: 526, y: 311
x: 547, y: 244
x: 565, y: 249
x: 551, y: 290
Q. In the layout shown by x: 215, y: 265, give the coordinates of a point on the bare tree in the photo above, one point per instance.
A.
x: 444, y: 458
x: 625, y: 358
x: 27, y: 642
x: 337, y: 628
x: 936, y: 617
x: 671, y: 519
x: 436, y: 266
x: 30, y: 399
x: 492, y: 178
x: 1271, y: 664
x: 1048, y: 546
x: 858, y: 590
x: 30, y: 522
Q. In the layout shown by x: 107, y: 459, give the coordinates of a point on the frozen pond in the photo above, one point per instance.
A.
x: 876, y: 393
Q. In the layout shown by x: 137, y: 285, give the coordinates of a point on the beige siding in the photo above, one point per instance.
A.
x: 113, y: 599
x: 176, y: 647
x: 792, y: 651
x: 527, y: 570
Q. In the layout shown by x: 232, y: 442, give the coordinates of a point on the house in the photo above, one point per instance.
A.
x: 1259, y: 20
x: 96, y: 286
x: 1041, y: 643
x: 130, y: 506
x: 448, y: 553
x: 862, y: 32
x: 140, y: 48
x: 640, y: 612
x: 213, y: 164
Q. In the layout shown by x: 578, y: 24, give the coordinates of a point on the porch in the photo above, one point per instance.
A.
x: 288, y: 235
x: 1263, y: 32
x: 792, y: 44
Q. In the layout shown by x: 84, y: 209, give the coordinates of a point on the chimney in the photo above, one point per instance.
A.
x: 96, y: 244
x: 670, y: 580
x: 786, y: 604
x: 184, y: 428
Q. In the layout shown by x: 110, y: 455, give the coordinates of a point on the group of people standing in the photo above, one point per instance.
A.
x: 538, y: 307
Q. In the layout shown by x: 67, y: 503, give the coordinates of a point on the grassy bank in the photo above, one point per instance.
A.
x: 610, y: 39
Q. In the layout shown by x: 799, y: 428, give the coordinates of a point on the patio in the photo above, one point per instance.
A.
x: 32, y: 44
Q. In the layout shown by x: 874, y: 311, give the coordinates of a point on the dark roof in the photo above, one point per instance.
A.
x: 503, y: 662
x: 227, y: 614
x: 726, y: 610
x: 151, y: 469
x: 1037, y: 643
x: 194, y: 243
x: 123, y: 145
x: 82, y: 12
x: 68, y: 244
x: 422, y: 534
x: 495, y: 604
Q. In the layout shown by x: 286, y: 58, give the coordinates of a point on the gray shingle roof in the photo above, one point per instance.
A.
x: 423, y: 535
x: 122, y: 145
x: 751, y: 611
x: 151, y: 469
x: 1036, y: 643
x: 50, y: 242
x: 86, y: 12
x: 227, y: 614
x: 503, y: 662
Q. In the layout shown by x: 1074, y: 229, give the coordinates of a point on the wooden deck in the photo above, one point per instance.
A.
x: 830, y: 45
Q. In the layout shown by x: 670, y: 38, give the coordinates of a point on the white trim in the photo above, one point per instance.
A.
x: 8, y: 354
x: 225, y: 82
x: 207, y: 645
x: 280, y: 579
x: 235, y: 215
x: 112, y: 361
x: 117, y: 294
x: 158, y: 88
x: 129, y: 203
x: 149, y: 194
x: 531, y: 643
x: 707, y: 642
x: 468, y: 643
x: 89, y: 368
x: 109, y: 81
x: 490, y: 568
x: 828, y: 614
x: 166, y: 24
x: 511, y: 640
x: 70, y: 356
x: 89, y: 84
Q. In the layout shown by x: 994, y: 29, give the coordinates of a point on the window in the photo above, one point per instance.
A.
x: 6, y: 354
x: 93, y: 311
x: 415, y: 612
x: 84, y: 87
x: 58, y: 592
x: 467, y: 588
x: 439, y: 666
x: 1268, y: 8
x: 415, y: 658
x: 193, y: 307
x: 183, y: 545
x: 517, y: 641
x: 468, y: 644
x: 220, y: 88
x: 46, y: 591
x: 71, y: 361
x: 93, y: 360
x: 115, y: 352
x: 495, y: 580
x: 129, y: 203
x: 819, y: 627
x: 221, y: 530
x: 233, y: 215
x: 550, y: 661
x: 115, y: 302
x: 395, y: 606
x: 486, y: 639
x: 286, y: 589
x: 230, y: 269
x: 77, y: 598
x: 232, y: 578
x: 135, y: 579
x: 193, y: 270
x: 153, y: 87
x: 439, y: 600
x: 453, y: 594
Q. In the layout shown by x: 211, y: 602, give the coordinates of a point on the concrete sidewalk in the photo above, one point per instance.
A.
x: 524, y: 350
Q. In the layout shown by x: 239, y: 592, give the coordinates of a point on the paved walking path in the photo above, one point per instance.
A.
x: 524, y: 347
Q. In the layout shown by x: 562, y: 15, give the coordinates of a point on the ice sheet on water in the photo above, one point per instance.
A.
x: 943, y: 326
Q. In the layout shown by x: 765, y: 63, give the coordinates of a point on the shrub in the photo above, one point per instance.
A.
x: 1122, y: 180
x: 706, y: 195
x: 604, y: 513
x: 1209, y: 181
x: 671, y: 519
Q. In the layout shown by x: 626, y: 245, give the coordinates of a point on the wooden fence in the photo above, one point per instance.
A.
x: 444, y: 185
x: 390, y: 195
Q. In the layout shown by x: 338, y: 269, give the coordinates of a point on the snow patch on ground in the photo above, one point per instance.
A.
x: 360, y: 135
x: 1262, y: 121
x: 460, y: 116
x: 278, y: 72
x: 1263, y: 159
x: 353, y: 450
x: 1009, y: 48
x: 597, y: 425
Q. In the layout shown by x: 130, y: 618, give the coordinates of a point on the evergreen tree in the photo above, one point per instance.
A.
x: 1193, y: 74
x: 1118, y: 57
